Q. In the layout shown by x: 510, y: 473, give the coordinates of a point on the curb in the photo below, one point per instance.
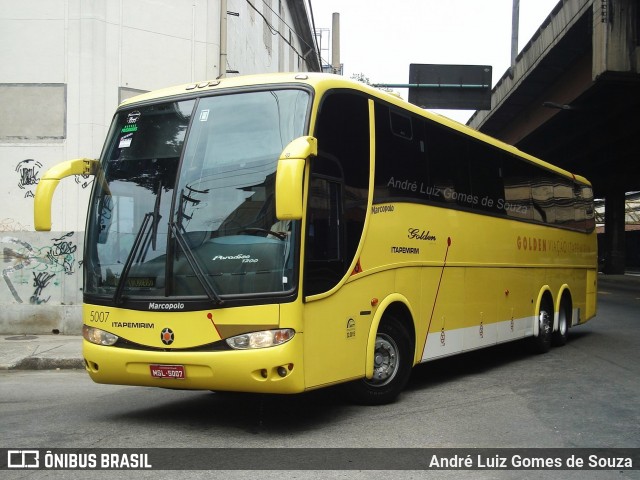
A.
x: 41, y: 352
x: 627, y: 283
x: 39, y: 363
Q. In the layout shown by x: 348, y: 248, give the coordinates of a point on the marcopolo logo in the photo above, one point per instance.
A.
x: 166, y: 306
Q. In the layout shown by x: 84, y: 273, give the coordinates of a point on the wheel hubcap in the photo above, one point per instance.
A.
x: 545, y: 325
x: 385, y: 360
x: 563, y: 324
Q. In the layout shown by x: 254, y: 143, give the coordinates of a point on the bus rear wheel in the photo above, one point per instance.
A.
x: 559, y: 337
x: 542, y: 342
x: 391, y: 367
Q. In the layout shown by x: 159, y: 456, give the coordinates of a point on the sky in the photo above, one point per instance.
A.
x: 380, y: 39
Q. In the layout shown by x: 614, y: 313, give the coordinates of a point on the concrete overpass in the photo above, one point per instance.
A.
x: 573, y: 98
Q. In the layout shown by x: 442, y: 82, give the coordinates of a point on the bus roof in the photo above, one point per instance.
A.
x: 322, y: 82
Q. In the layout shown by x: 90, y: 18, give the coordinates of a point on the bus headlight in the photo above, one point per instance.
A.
x: 97, y: 336
x: 263, y: 339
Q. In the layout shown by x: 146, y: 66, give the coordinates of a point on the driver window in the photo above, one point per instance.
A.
x: 338, y: 189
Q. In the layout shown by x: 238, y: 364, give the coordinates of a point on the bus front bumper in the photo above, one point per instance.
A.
x: 268, y: 370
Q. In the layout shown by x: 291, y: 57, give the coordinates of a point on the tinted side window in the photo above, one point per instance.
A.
x: 401, y: 166
x: 585, y: 212
x: 418, y: 160
x: 338, y: 189
x: 485, y: 171
x: 564, y: 203
x: 517, y: 189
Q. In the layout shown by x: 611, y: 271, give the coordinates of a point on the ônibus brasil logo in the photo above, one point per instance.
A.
x: 167, y: 336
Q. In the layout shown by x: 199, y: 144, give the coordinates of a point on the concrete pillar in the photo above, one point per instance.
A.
x: 614, y: 233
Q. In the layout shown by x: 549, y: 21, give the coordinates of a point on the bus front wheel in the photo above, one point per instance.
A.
x: 391, y: 367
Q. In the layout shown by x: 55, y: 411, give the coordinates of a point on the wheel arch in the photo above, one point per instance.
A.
x: 563, y: 300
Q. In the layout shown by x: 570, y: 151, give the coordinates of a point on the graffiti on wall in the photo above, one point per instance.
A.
x: 28, y: 171
x: 40, y: 281
x: 83, y: 180
x: 11, y: 225
x: 44, y: 263
x: 33, y: 269
x: 29, y: 175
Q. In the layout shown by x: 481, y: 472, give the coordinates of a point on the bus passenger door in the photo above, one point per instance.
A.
x: 335, y: 330
x: 324, y: 264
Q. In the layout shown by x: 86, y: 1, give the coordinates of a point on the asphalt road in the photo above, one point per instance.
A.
x: 585, y: 394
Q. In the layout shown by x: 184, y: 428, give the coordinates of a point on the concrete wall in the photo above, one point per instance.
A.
x: 41, y: 290
x: 66, y: 64
x: 615, y: 47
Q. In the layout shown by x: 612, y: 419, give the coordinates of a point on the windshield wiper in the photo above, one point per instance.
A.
x: 156, y: 216
x: 150, y: 239
x: 132, y: 253
x: 195, y: 266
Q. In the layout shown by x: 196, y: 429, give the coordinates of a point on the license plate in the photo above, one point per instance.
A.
x: 175, y: 372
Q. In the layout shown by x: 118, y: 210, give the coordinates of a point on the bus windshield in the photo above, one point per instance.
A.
x: 185, y: 207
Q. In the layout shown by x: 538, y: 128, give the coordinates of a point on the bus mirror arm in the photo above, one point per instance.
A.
x: 290, y: 175
x: 47, y: 186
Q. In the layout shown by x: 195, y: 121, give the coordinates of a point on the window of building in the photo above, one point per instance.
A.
x: 32, y: 112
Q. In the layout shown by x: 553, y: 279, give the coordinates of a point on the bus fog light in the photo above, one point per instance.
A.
x: 262, y: 339
x: 97, y: 336
x: 282, y: 371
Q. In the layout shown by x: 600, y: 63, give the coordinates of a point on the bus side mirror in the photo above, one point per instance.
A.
x: 48, y: 184
x: 290, y: 175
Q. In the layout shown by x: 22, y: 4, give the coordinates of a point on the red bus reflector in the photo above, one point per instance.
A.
x: 175, y: 372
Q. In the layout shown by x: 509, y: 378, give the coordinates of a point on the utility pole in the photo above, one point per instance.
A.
x: 222, y: 69
x: 515, y: 21
x: 335, y: 43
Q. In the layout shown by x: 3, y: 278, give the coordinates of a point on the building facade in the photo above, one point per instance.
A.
x: 66, y: 65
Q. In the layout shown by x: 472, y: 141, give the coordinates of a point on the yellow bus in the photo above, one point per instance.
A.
x: 281, y: 233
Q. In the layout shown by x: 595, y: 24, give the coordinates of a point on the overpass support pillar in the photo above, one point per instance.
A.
x: 614, y: 233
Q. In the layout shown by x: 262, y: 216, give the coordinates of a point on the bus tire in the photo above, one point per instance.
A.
x: 542, y: 342
x: 559, y: 337
x: 391, y: 369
